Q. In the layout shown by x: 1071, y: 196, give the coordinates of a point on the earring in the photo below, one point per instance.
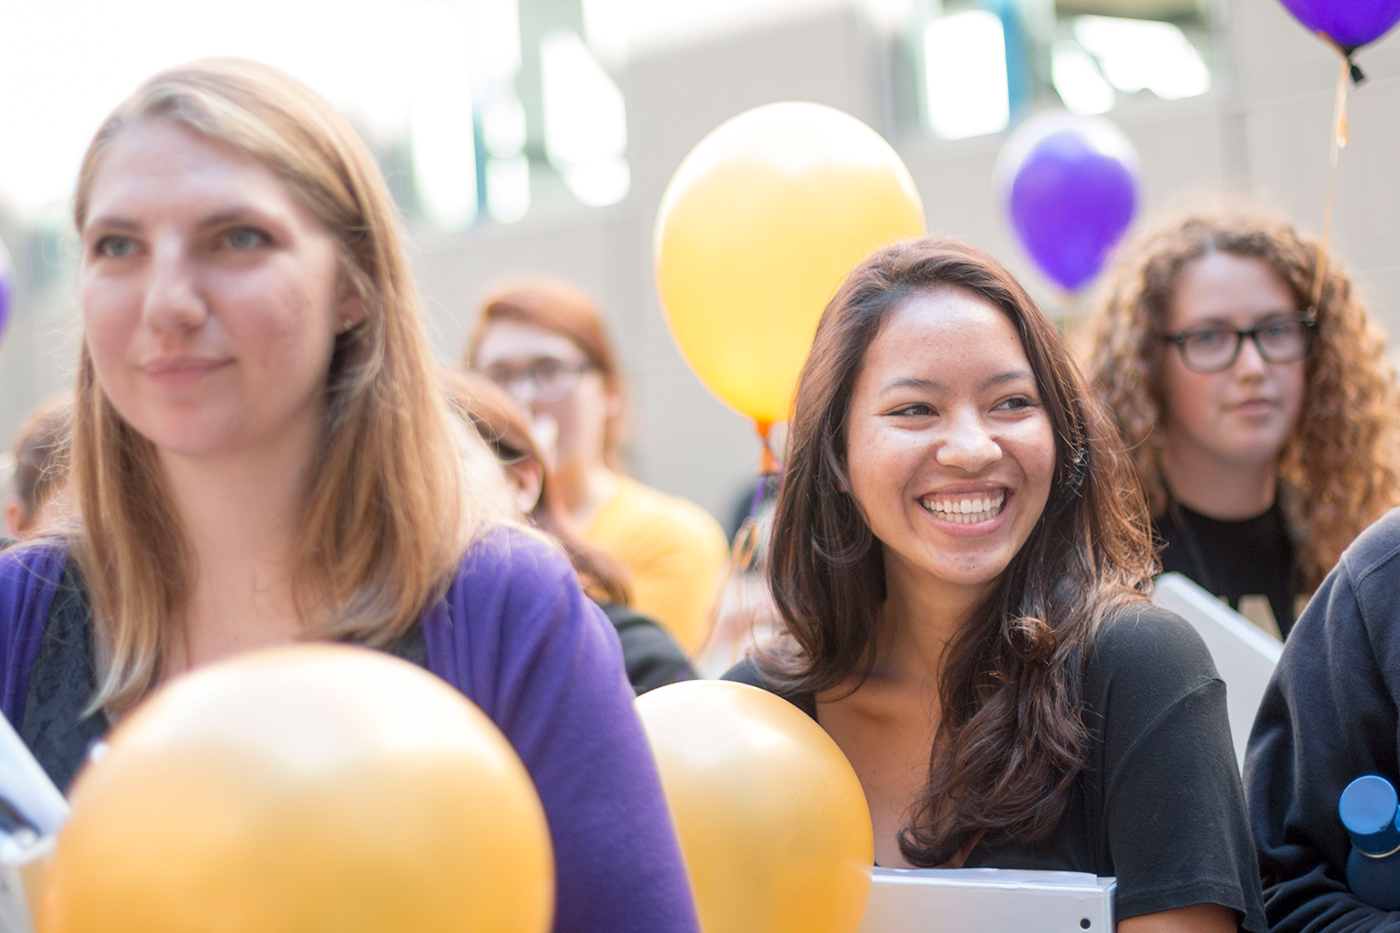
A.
x: 346, y: 325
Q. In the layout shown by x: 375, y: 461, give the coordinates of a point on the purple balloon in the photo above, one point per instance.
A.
x: 7, y: 288
x: 1350, y: 23
x: 1070, y: 204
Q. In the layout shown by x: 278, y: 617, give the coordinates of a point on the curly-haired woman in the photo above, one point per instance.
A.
x: 1264, y: 457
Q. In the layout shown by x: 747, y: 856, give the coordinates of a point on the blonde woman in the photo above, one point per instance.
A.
x: 263, y: 455
x: 1262, y: 426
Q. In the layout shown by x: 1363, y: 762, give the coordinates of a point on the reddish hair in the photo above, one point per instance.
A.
x: 564, y: 310
x: 506, y: 430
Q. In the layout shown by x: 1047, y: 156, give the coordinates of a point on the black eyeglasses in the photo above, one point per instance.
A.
x: 1215, y: 348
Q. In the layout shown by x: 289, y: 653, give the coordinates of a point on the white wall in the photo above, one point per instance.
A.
x: 1264, y: 128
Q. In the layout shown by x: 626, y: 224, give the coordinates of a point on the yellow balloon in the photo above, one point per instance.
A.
x: 770, y: 815
x: 757, y: 229
x: 312, y: 788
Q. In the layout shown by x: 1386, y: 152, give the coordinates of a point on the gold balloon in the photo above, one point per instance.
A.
x: 757, y: 229
x: 312, y: 788
x: 771, y: 817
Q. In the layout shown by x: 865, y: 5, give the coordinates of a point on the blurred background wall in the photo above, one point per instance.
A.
x: 565, y: 119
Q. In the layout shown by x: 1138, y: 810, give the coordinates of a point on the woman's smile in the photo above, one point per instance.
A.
x: 950, y: 452
x: 972, y: 513
x: 180, y: 372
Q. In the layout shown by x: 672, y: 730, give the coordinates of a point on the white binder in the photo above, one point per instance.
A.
x: 26, y: 788
x: 988, y: 900
x: 1244, y: 655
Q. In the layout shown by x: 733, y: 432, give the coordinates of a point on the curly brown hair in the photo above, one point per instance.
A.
x: 1338, y: 470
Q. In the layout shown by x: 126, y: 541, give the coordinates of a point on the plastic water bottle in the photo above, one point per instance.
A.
x: 1369, y: 810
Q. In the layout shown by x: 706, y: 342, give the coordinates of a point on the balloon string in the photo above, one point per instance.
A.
x: 1339, y: 141
x: 758, y: 494
x: 743, y: 554
x: 767, y: 462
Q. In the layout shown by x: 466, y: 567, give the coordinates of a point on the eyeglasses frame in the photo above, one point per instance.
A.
x: 577, y: 370
x: 1309, y: 322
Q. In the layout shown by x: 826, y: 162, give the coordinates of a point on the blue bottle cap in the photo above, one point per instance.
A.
x: 1368, y: 811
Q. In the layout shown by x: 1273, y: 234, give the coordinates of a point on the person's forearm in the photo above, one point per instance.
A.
x: 1199, y: 918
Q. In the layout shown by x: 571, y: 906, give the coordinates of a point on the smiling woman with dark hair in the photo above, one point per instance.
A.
x: 960, y: 553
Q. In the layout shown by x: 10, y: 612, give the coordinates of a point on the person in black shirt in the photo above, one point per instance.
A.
x: 652, y: 657
x: 959, y: 559
x: 1262, y: 422
x: 1250, y: 562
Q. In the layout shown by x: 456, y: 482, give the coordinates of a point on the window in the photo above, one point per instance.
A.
x: 986, y: 63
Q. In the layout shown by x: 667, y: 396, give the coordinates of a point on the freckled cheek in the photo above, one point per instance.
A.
x: 883, y: 461
x: 111, y: 317
x: 1034, y: 451
x: 284, y: 333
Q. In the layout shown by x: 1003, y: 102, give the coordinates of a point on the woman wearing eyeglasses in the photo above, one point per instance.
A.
x: 650, y: 654
x: 545, y: 344
x: 1263, y: 425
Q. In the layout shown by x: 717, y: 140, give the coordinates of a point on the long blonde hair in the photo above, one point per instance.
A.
x: 1340, y: 469
x: 388, y: 513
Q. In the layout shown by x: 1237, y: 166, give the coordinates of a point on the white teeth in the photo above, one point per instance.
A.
x: 965, y: 511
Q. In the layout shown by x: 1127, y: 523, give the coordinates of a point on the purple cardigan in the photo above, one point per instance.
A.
x: 519, y: 639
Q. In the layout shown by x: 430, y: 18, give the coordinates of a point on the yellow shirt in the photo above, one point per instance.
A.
x: 676, y: 551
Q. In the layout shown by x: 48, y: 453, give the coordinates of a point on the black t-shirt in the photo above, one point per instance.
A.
x: 1159, y: 805
x: 1233, y: 559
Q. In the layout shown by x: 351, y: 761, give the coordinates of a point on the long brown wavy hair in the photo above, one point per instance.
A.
x: 1012, y: 737
x: 1338, y: 470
